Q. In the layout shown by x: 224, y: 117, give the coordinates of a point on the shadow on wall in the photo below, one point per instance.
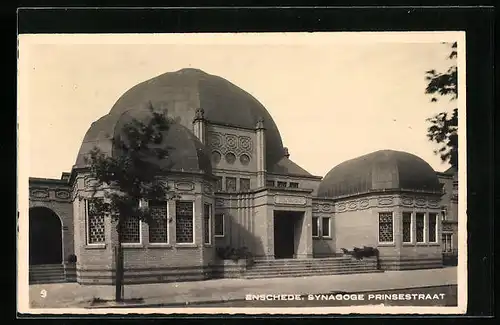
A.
x: 237, y: 250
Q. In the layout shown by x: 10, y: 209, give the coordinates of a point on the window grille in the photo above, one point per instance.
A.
x: 432, y: 227
x: 95, y: 224
x: 207, y: 227
x: 158, y: 226
x: 131, y: 230
x: 184, y: 222
x: 386, y: 229
x: 419, y: 220
x: 406, y: 227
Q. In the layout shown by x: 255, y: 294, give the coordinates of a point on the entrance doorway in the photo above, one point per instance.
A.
x: 45, y: 243
x: 287, y: 229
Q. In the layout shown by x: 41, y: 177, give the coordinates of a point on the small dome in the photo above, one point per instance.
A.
x: 377, y: 171
x: 185, y: 152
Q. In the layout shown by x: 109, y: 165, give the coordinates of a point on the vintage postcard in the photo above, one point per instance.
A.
x: 289, y: 173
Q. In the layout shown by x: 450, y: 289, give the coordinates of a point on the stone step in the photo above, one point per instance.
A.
x: 303, y: 262
x: 45, y: 281
x: 46, y: 273
x: 46, y: 266
x: 310, y: 266
x: 318, y: 262
x: 306, y: 274
x: 298, y: 260
x: 299, y: 269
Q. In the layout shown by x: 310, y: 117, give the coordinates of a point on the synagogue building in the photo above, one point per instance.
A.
x: 238, y: 188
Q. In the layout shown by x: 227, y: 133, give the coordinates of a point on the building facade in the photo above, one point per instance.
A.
x: 237, y: 187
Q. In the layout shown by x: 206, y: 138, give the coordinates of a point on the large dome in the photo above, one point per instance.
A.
x: 180, y: 93
x: 377, y: 171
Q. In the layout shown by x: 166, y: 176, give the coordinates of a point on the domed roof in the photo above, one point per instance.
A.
x: 380, y: 170
x: 185, y: 152
x: 180, y: 93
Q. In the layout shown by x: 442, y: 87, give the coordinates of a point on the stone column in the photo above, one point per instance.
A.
x: 261, y: 153
x: 199, y: 125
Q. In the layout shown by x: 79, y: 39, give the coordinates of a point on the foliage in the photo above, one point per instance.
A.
x: 444, y: 126
x: 72, y: 258
x: 235, y: 254
x: 131, y: 175
x: 360, y: 253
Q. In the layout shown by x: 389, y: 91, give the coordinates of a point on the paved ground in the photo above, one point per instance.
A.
x: 72, y: 295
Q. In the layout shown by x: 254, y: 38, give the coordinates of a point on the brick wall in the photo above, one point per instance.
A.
x: 145, y: 261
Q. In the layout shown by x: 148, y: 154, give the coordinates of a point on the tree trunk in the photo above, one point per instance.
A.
x: 119, y: 265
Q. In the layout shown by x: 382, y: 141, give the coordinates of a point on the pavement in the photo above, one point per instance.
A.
x: 73, y: 295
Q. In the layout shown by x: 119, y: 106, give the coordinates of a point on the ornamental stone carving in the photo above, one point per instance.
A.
x: 407, y: 201
x: 433, y: 203
x: 447, y: 227
x: 352, y: 205
x: 341, y: 207
x: 385, y: 201
x: 420, y: 202
x: 39, y: 193
x: 315, y: 207
x: 184, y: 186
x: 225, y: 142
x: 325, y: 207
x: 207, y: 188
x: 220, y: 202
x: 290, y: 200
x: 62, y: 194
x: 363, y: 204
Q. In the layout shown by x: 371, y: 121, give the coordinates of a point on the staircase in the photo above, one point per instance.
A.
x: 46, y: 273
x: 308, y: 267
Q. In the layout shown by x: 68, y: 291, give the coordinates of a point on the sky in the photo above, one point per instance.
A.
x: 333, y: 96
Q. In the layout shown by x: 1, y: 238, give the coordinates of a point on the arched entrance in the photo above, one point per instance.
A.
x: 45, y: 246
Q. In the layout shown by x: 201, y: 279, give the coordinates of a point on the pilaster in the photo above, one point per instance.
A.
x: 261, y: 153
x: 199, y: 125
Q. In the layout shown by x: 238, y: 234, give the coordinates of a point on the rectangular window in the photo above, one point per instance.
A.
x: 131, y: 228
x: 184, y: 222
x: 218, y: 184
x: 281, y: 184
x: 294, y: 185
x: 447, y: 243
x: 315, y: 226
x: 385, y: 227
x: 207, y: 223
x: 158, y: 225
x: 406, y: 227
x: 432, y: 235
x: 270, y: 183
x: 230, y: 184
x: 325, y: 227
x: 420, y: 225
x: 95, y: 223
x: 219, y: 225
x: 244, y: 184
